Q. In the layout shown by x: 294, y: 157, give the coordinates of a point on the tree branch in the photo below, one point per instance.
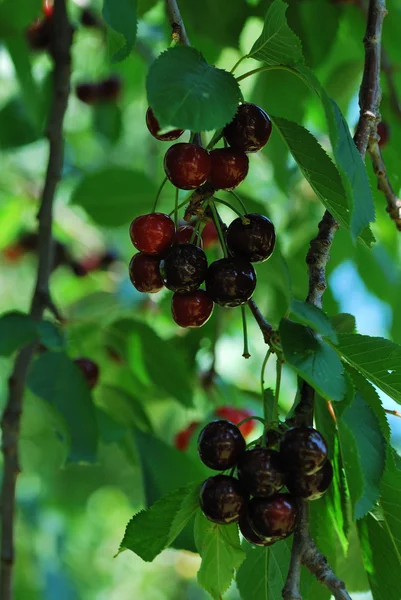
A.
x: 304, y: 550
x: 177, y: 24
x: 60, y: 51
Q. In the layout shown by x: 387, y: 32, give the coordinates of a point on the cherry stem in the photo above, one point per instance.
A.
x: 264, y: 399
x: 158, y: 194
x: 240, y: 201
x: 245, y: 353
x: 216, y: 137
x: 196, y: 231
x: 254, y: 418
x: 229, y: 206
x: 176, y: 208
x: 279, y: 369
x: 181, y: 204
x: 237, y: 64
x: 218, y: 227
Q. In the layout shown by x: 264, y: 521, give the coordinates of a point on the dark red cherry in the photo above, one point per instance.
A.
x: 187, y: 166
x: 222, y: 499
x: 236, y: 415
x: 251, y: 536
x: 250, y: 129
x: 220, y: 445
x: 274, y: 517
x: 185, y: 235
x: 303, y: 449
x: 87, y: 92
x: 210, y: 236
x: 144, y: 273
x: 182, y: 438
x: 383, y: 130
x: 193, y: 309
x: 38, y: 34
x: 152, y: 233
x: 154, y: 128
x: 89, y: 369
x: 311, y: 487
x: 109, y: 89
x: 260, y: 472
x: 89, y: 18
x: 183, y: 268
x: 230, y: 281
x: 251, y: 238
x: 229, y: 168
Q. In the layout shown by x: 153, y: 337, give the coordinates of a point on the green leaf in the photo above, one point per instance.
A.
x: 278, y: 44
x: 313, y: 317
x: 343, y: 323
x: 124, y: 407
x: 318, y: 169
x: 390, y: 502
x: 150, y: 532
x: 16, y: 330
x: 144, y: 350
x: 16, y: 126
x: 221, y: 553
x: 56, y: 379
x: 377, y: 359
x: 185, y: 91
x: 50, y: 336
x: 313, y: 359
x: 366, y: 454
x: 263, y: 573
x: 13, y: 22
x: 107, y: 120
x: 371, y: 397
x: 121, y: 16
x: 114, y: 196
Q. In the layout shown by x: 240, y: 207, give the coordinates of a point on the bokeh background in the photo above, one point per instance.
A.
x: 71, y: 517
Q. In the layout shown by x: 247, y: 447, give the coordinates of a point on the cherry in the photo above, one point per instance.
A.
x: 182, y: 438
x: 38, y: 34
x: 79, y: 269
x: 144, y: 273
x: 193, y: 309
x: 154, y: 128
x: 210, y: 236
x: 274, y: 517
x: 303, y: 449
x: 152, y: 233
x: 311, y: 487
x: 87, y: 92
x: 187, y: 166
x: 47, y: 9
x: 229, y: 168
x: 250, y: 129
x: 251, y: 536
x: 251, y: 238
x: 89, y: 369
x: 184, y: 235
x: 108, y: 258
x: 109, y: 89
x: 260, y: 472
x: 383, y: 130
x: 220, y: 445
x: 230, y: 281
x: 222, y: 499
x: 236, y: 415
x: 89, y: 19
x: 183, y: 268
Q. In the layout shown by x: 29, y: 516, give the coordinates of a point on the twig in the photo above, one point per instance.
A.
x: 263, y: 323
x: 395, y: 413
x: 304, y: 550
x: 177, y: 24
x: 61, y: 42
x: 383, y: 182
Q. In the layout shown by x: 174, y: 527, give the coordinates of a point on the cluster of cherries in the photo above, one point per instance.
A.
x: 174, y: 258
x: 254, y: 499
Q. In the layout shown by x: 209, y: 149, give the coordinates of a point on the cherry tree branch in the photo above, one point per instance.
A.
x: 177, y: 24
x: 60, y: 51
x: 304, y: 550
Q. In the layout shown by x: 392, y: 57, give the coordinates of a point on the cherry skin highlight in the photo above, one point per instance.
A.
x: 222, y: 499
x: 152, y: 233
x: 220, y: 445
x: 229, y: 168
x: 153, y: 126
x: 252, y: 238
x: 250, y: 129
x: 144, y: 273
x: 192, y: 310
x: 187, y: 166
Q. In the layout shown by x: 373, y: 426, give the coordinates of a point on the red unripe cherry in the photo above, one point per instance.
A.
x: 144, y: 273
x: 152, y: 233
x: 210, y: 235
x: 154, y: 128
x: 47, y: 9
x: 236, y: 415
x: 89, y: 369
x: 187, y: 166
x: 184, y: 236
x: 229, y: 168
x: 182, y: 438
x: 192, y: 310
